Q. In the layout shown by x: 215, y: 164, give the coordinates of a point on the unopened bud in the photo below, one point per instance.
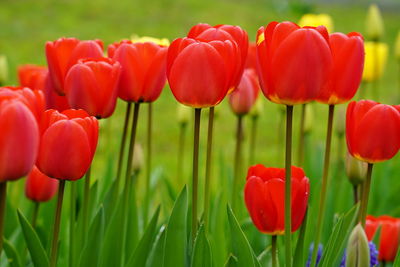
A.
x: 358, y: 248
x: 309, y: 118
x: 257, y: 108
x: 375, y: 60
x: 340, y: 122
x: 3, y: 70
x: 374, y: 23
x: 183, y: 114
x: 137, y: 161
x: 356, y: 170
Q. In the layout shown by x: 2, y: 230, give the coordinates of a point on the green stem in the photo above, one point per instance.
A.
x: 301, y: 136
x: 86, y: 201
x: 288, y: 184
x: 274, y: 251
x: 208, y: 166
x: 365, y: 195
x: 56, y: 226
x: 72, y: 224
x: 196, y: 139
x: 355, y: 194
x: 3, y: 193
x: 238, y: 159
x: 252, y: 147
x: 123, y: 141
x: 181, y: 152
x: 148, y: 163
x: 35, y: 213
x: 324, y: 185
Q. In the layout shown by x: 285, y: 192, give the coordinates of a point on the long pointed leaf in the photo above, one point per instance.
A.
x: 156, y: 256
x: 201, y: 251
x: 12, y: 255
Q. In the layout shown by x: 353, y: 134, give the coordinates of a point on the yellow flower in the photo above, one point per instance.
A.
x: 374, y: 23
x: 160, y: 41
x: 3, y: 69
x: 397, y: 47
x: 317, y: 20
x: 375, y: 60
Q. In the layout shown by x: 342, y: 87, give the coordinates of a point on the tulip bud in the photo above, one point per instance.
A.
x: 183, y: 114
x: 397, y: 47
x: 374, y: 23
x: 356, y: 170
x: 375, y: 60
x: 3, y: 70
x: 137, y: 161
x: 143, y: 39
x: 340, y: 123
x: 309, y: 119
x: 357, y: 249
x: 258, y: 108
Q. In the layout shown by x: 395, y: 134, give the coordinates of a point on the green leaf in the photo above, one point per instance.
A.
x: 156, y: 256
x: 240, y: 245
x: 201, y: 251
x: 35, y: 247
x: 11, y: 253
x: 132, y: 230
x: 299, y: 252
x: 142, y: 251
x: 231, y: 261
x: 175, y: 249
x: 91, y: 252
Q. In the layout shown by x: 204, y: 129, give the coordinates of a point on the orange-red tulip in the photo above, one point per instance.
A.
x: 264, y: 196
x: 389, y: 235
x: 347, y: 68
x: 32, y: 76
x: 143, y: 72
x: 372, y: 131
x: 53, y: 100
x: 293, y: 62
x: 68, y: 143
x: 63, y: 53
x: 244, y: 96
x: 200, y: 73
x: 39, y: 187
x: 91, y: 84
x: 19, y: 139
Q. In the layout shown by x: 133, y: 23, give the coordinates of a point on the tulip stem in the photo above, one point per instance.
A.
x: 3, y: 193
x: 288, y: 184
x: 301, y: 136
x: 238, y: 159
x: 35, y: 213
x: 274, y: 251
x: 148, y: 163
x: 365, y: 194
x: 181, y: 152
x: 252, y: 147
x: 123, y: 141
x: 56, y: 226
x: 196, y: 141
x: 86, y: 200
x: 72, y: 224
x: 324, y: 185
x: 208, y: 166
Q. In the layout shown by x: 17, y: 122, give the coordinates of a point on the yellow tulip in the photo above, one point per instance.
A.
x: 374, y: 23
x: 160, y: 41
x: 3, y: 69
x: 397, y: 47
x: 317, y: 20
x: 375, y: 60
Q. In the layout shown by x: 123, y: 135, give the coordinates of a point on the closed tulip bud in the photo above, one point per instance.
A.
x: 137, y: 161
x: 264, y: 197
x: 375, y: 60
x: 357, y: 248
x: 143, y: 73
x: 147, y: 39
x: 19, y: 139
x: 258, y: 108
x: 39, y: 187
x: 183, y: 114
x: 244, y: 96
x: 3, y: 70
x: 366, y: 140
x: 374, y: 23
x: 340, y: 121
x: 68, y: 143
x: 32, y: 76
x: 91, y: 85
x: 316, y: 20
x: 356, y: 170
x: 309, y: 120
x: 294, y: 62
x: 397, y: 47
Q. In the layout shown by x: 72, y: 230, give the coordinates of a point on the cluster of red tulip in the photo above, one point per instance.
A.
x: 50, y: 128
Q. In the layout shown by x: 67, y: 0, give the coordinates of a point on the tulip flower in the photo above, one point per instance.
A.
x: 374, y: 23
x: 148, y: 39
x: 375, y: 60
x: 3, y: 70
x: 251, y: 61
x: 357, y: 254
x: 53, y: 100
x: 91, y: 84
x: 316, y: 20
x: 39, y: 187
x: 32, y: 76
x: 63, y: 53
x: 244, y: 96
x: 389, y: 235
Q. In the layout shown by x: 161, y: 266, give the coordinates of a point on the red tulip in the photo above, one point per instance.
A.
x: 143, y: 73
x: 32, y: 76
x: 264, y: 195
x: 19, y: 139
x: 68, y: 143
x: 293, y: 62
x: 63, y: 53
x: 114, y: 46
x: 251, y: 61
x: 347, y: 68
x: 200, y: 73
x: 372, y: 131
x: 205, y: 32
x: 389, y: 237
x: 245, y: 94
x: 91, y: 84
x: 53, y: 100
x: 39, y: 187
